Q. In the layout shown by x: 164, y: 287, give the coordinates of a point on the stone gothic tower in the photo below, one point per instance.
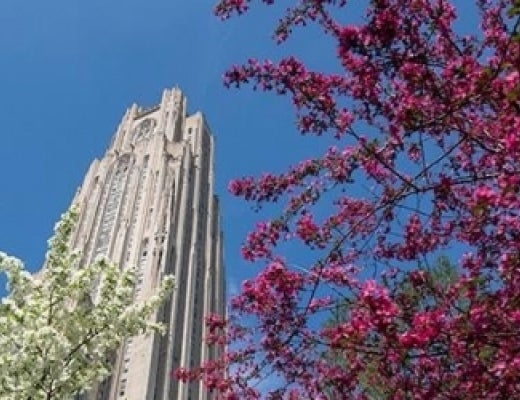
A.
x: 150, y: 203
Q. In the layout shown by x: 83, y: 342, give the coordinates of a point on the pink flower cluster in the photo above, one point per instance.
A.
x: 424, y: 126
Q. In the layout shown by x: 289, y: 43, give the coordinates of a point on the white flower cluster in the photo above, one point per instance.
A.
x: 55, y: 341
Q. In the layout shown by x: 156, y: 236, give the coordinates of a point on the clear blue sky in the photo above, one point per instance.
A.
x: 69, y: 69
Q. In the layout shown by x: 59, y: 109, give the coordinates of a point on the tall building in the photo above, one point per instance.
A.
x: 150, y: 203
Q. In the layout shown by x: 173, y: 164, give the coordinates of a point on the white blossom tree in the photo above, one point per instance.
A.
x: 54, y: 341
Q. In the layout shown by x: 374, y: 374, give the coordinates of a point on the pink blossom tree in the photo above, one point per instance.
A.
x: 429, y: 120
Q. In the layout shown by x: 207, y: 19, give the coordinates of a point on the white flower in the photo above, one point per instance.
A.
x: 53, y: 341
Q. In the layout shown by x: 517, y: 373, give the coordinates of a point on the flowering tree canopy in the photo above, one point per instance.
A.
x: 54, y: 341
x: 428, y: 120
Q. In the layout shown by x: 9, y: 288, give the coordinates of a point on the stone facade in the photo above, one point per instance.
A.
x: 150, y: 203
